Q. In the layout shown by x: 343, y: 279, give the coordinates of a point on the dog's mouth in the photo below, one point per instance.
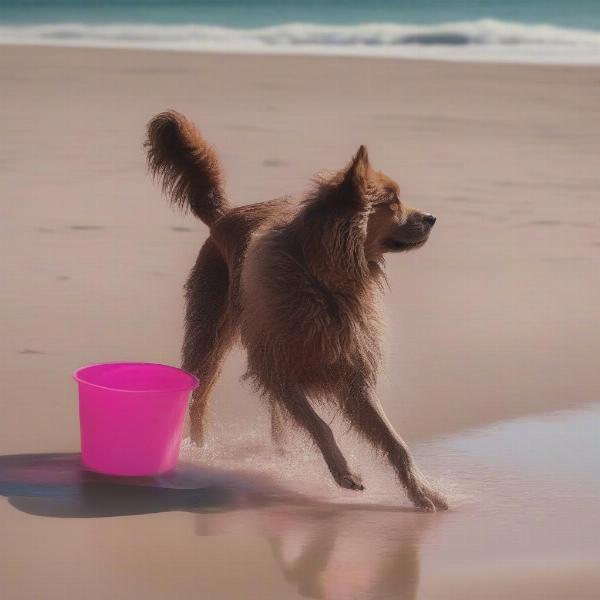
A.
x: 394, y: 245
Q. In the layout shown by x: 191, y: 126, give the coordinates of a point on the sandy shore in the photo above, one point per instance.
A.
x: 494, y: 319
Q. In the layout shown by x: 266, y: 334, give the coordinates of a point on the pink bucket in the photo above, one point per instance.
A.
x: 131, y: 416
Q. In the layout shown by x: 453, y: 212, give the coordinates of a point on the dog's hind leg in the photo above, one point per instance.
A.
x: 209, y: 330
x: 304, y: 415
x: 277, y: 428
x: 365, y: 413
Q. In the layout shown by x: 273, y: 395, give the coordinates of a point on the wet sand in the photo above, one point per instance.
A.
x: 493, y: 329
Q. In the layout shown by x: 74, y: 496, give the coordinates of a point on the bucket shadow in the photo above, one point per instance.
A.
x: 56, y: 485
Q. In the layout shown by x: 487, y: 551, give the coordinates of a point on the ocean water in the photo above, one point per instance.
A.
x: 551, y: 31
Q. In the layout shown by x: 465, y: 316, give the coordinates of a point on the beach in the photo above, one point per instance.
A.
x: 492, y: 327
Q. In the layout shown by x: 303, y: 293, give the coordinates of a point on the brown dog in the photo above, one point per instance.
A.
x: 300, y: 283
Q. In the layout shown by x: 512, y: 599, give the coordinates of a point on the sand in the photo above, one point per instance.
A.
x: 493, y: 321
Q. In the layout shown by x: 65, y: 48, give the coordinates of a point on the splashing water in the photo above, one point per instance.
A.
x: 302, y: 470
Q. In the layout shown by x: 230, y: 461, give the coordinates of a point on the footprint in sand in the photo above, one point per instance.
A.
x: 31, y: 351
x: 274, y: 162
x: 86, y: 227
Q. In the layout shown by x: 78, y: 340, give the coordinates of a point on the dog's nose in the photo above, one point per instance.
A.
x: 429, y: 219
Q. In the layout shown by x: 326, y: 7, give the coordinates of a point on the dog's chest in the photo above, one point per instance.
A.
x: 341, y: 328
x: 312, y: 324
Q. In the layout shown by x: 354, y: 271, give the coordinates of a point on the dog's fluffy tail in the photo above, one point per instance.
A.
x: 188, y: 168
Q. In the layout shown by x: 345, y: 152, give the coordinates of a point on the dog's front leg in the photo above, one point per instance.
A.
x: 363, y: 409
x: 304, y: 415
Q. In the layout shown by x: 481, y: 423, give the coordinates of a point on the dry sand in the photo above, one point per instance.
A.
x: 496, y: 318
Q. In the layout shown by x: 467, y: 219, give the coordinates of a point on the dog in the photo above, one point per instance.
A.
x: 299, y: 284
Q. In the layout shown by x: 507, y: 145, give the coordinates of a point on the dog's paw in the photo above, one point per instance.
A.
x: 426, y: 498
x: 423, y: 503
x: 196, y: 440
x: 349, y: 481
x: 438, y: 499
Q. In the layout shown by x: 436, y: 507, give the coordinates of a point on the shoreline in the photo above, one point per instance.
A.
x: 324, y: 52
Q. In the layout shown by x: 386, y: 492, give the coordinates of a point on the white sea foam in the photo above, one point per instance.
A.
x: 481, y: 40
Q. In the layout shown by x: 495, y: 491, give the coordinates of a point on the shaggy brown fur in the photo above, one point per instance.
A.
x: 300, y: 283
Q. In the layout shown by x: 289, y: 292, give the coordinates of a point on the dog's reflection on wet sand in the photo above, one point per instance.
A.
x: 338, y: 551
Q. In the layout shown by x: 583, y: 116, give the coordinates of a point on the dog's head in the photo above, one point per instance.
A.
x: 392, y: 225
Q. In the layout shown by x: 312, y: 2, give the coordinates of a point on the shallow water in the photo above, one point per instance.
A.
x: 239, y: 520
x: 524, y: 497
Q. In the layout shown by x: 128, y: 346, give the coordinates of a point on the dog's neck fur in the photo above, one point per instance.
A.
x: 330, y: 231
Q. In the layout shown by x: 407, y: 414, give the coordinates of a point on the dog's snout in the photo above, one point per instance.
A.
x: 429, y: 219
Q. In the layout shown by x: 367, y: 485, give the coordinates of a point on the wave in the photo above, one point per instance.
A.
x: 482, y: 39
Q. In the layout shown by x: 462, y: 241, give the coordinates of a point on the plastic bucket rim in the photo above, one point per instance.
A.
x: 193, y: 379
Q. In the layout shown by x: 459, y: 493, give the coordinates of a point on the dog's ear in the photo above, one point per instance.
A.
x: 356, y: 176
